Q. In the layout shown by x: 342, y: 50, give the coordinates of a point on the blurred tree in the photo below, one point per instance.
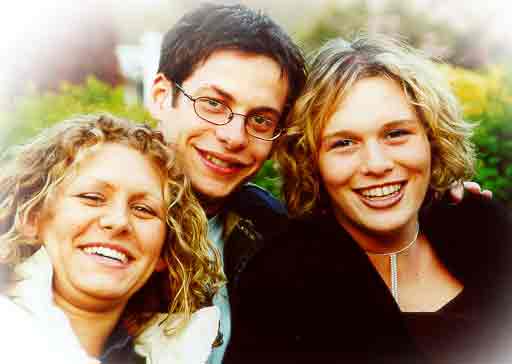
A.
x: 421, y: 26
x: 62, y: 41
x: 334, y: 21
x: 37, y: 110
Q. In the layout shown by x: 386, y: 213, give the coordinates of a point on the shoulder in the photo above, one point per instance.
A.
x: 474, y: 217
x: 256, y: 204
x: 25, y: 341
x: 192, y: 343
x: 308, y: 246
x: 472, y: 237
x: 253, y: 196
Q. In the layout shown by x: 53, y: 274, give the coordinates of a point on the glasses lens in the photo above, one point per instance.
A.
x: 263, y: 127
x: 212, y: 110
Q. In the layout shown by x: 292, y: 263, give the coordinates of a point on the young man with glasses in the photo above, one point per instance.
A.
x: 226, y: 79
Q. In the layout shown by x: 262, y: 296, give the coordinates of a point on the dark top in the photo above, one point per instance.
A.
x: 429, y: 330
x: 119, y: 349
x: 312, y: 295
x: 261, y: 218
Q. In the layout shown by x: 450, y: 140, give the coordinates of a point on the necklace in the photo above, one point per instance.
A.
x: 393, y: 263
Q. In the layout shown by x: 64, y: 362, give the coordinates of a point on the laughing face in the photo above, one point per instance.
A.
x: 375, y: 158
x: 218, y: 158
x: 104, y: 232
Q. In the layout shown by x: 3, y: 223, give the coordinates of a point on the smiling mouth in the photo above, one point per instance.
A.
x: 217, y: 161
x: 108, y: 253
x: 382, y: 192
x: 221, y: 163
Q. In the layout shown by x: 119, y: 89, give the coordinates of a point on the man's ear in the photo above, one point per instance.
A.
x: 160, y: 96
x: 161, y: 265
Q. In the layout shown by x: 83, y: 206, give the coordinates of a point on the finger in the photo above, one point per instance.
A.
x: 487, y: 194
x: 472, y: 187
x: 456, y: 192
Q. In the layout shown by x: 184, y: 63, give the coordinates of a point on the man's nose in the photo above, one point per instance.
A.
x: 233, y: 134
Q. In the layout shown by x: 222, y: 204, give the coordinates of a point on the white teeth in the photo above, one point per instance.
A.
x: 381, y: 191
x: 106, y: 252
x: 217, y: 161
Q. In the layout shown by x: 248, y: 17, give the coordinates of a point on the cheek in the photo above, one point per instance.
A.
x: 62, y: 226
x: 197, y: 132
x: 419, y: 158
x: 335, y: 171
x: 152, y: 235
x: 179, y: 125
x: 259, y: 152
x: 428, y: 157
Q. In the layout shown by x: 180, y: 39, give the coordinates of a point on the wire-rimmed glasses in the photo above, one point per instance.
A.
x: 265, y: 127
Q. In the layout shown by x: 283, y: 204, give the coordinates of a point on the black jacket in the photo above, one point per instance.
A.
x: 312, y: 296
x: 253, y: 218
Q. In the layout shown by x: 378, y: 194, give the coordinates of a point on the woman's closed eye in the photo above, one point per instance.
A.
x: 91, y: 197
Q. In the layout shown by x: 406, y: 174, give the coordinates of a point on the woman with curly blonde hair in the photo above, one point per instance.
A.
x: 102, y: 240
x: 377, y: 267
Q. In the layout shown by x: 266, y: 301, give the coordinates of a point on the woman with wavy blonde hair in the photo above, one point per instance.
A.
x: 338, y: 66
x: 101, y: 239
x: 377, y: 267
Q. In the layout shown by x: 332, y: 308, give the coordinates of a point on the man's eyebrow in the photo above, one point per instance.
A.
x: 266, y: 109
x: 231, y: 99
x: 226, y: 95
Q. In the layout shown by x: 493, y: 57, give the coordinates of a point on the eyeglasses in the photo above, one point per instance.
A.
x: 213, y: 111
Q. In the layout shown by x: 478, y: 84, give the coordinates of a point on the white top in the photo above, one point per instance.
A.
x: 35, y: 330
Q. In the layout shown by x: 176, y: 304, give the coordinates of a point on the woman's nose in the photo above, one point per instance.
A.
x: 377, y: 161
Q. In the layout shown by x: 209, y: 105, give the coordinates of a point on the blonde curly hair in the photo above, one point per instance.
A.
x: 30, y: 173
x: 334, y: 69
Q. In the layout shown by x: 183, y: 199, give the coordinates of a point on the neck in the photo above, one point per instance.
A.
x: 210, y: 205
x: 91, y: 328
x: 376, y: 242
x: 401, y: 248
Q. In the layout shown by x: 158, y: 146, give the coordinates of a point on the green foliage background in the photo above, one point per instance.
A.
x: 486, y: 98
x: 36, y: 111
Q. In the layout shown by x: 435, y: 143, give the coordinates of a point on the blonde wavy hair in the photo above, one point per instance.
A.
x: 334, y: 69
x: 31, y: 172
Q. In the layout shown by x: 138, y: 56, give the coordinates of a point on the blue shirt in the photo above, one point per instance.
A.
x: 221, y: 299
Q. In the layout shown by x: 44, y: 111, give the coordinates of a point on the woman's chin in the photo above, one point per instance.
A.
x: 99, y: 289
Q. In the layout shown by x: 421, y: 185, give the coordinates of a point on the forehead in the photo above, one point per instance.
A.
x: 247, y: 77
x: 110, y: 162
x: 371, y: 102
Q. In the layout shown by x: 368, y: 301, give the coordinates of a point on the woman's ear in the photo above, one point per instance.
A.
x: 29, y: 225
x: 161, y: 265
